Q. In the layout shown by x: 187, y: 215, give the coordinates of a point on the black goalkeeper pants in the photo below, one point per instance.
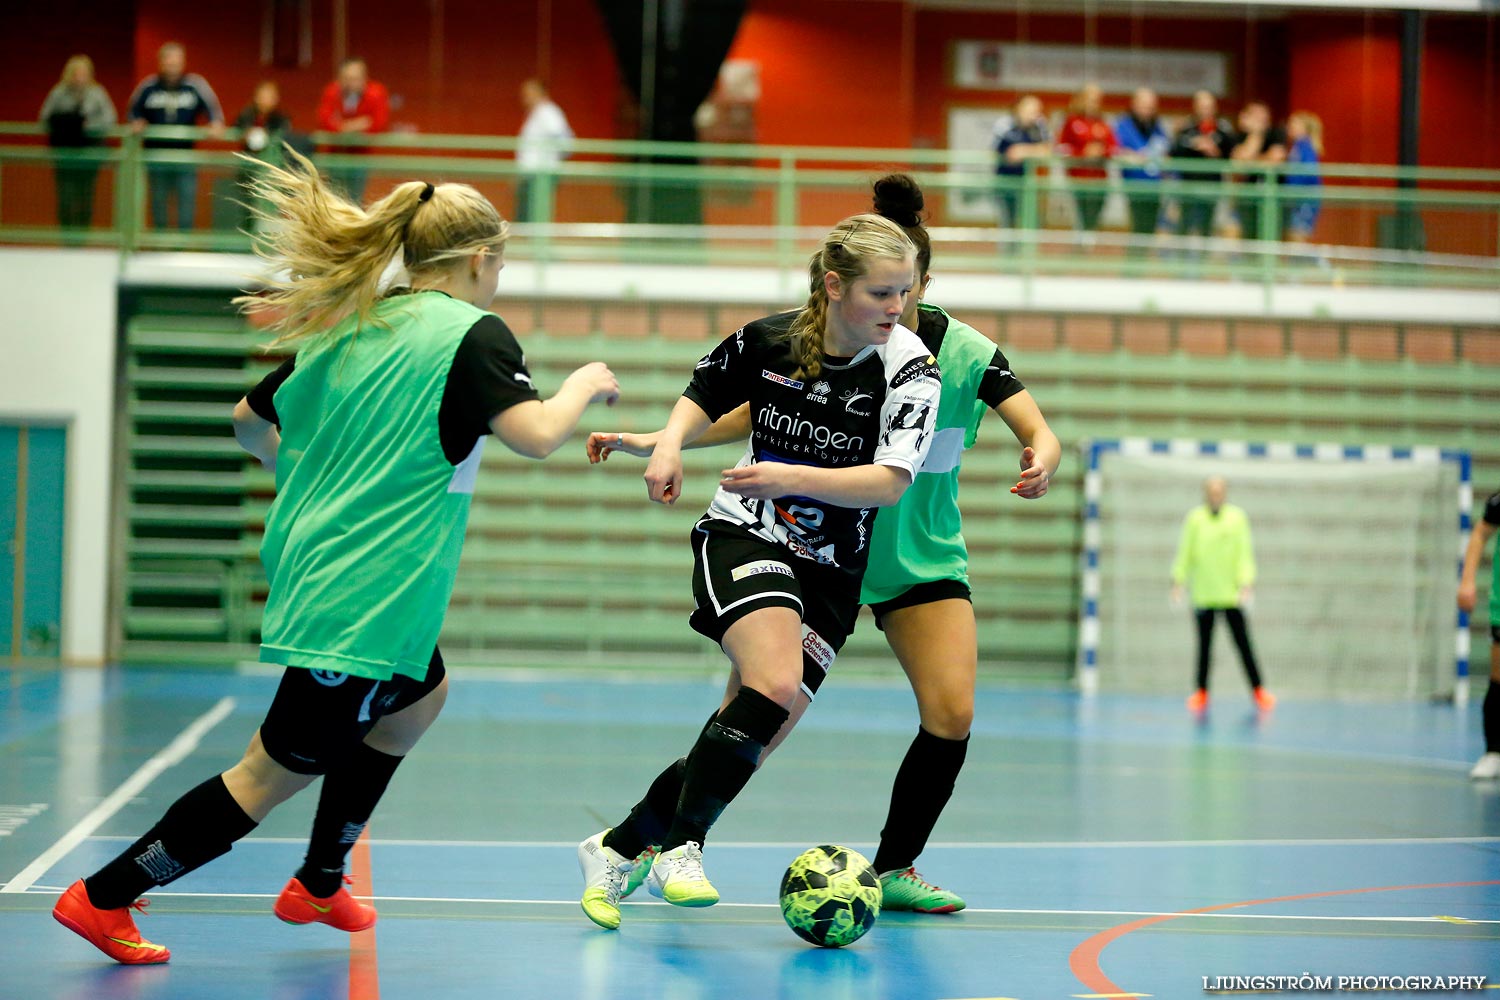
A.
x: 1241, y: 633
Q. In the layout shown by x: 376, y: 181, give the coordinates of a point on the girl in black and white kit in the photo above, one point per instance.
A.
x: 842, y: 401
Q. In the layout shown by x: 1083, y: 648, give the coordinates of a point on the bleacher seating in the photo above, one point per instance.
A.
x: 567, y: 563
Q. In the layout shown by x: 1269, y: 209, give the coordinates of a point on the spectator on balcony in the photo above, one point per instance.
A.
x: 76, y: 114
x: 262, y: 119
x: 263, y: 126
x: 172, y: 96
x: 1258, y: 142
x: 1304, y: 133
x: 544, y: 143
x: 1026, y: 138
x: 1205, y: 137
x: 1087, y: 136
x: 353, y: 104
x: 1143, y: 142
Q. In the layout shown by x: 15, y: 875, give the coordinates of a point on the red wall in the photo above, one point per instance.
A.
x: 457, y: 74
x: 833, y: 72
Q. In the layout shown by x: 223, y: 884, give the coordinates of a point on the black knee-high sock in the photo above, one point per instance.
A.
x: 1492, y: 717
x: 648, y: 820
x: 350, y: 792
x: 923, y: 785
x: 200, y: 826
x: 721, y: 764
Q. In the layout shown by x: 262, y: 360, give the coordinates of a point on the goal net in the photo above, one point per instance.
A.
x: 1355, y: 552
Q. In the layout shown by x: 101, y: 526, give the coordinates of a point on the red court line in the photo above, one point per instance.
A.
x: 1084, y: 961
x: 364, y: 969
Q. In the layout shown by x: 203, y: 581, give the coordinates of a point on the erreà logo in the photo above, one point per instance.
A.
x: 790, y: 383
x: 820, y: 392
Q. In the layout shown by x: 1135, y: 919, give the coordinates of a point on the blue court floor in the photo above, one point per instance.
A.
x: 1109, y: 847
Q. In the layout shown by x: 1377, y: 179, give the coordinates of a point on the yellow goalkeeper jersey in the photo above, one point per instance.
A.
x: 1214, y: 558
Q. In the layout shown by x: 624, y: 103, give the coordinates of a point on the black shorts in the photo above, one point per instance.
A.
x: 923, y: 593
x: 735, y: 573
x: 1495, y: 633
x: 320, y: 716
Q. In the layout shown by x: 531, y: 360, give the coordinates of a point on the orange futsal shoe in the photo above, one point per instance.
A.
x: 1264, y: 700
x: 111, y: 931
x: 296, y: 905
x: 1198, y: 701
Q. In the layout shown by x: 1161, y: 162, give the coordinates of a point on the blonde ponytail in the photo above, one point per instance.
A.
x: 847, y: 251
x: 330, y: 254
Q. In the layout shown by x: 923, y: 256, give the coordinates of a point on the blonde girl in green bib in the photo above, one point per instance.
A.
x: 374, y: 431
x: 916, y: 582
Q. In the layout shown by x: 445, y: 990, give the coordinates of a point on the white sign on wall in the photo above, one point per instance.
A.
x: 1066, y: 68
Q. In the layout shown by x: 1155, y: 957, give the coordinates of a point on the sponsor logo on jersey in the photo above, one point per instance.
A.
x: 820, y: 391
x: 523, y: 378
x: 911, y: 415
x: 773, y: 421
x: 816, y: 648
x: 805, y: 518
x: 824, y: 556
x: 758, y: 567
x: 790, y: 383
x: 328, y: 678
x: 717, y: 359
x: 852, y: 397
x: 914, y: 369
x: 996, y: 368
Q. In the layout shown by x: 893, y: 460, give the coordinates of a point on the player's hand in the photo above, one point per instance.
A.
x: 1177, y: 595
x: 759, y: 481
x: 1247, y: 597
x: 1034, y: 476
x: 601, y: 445
x: 664, y: 476
x: 598, y: 381
x: 1467, y: 596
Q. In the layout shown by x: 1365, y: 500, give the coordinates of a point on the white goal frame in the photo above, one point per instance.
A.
x: 1094, y: 451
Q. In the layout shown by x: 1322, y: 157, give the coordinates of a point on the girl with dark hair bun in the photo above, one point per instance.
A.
x: 916, y: 582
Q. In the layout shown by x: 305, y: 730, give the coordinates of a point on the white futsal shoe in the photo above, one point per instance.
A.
x: 604, y: 872
x: 1486, y: 767
x: 677, y: 876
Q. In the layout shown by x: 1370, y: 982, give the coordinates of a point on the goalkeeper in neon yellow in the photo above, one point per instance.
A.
x: 1488, y: 765
x: 916, y: 582
x: 1216, y: 563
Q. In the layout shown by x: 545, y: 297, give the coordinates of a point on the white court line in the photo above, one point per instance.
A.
x: 186, y: 742
x: 476, y: 900
x: 943, y: 845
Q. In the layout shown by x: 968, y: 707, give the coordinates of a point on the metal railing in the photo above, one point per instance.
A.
x: 745, y: 205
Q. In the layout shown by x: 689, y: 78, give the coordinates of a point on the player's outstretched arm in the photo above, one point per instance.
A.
x: 256, y: 435
x: 537, y: 428
x: 664, y: 472
x: 1478, y: 539
x: 732, y: 426
x: 1041, y: 451
x: 851, y: 486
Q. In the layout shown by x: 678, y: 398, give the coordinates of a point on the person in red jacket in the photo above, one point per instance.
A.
x: 1087, y: 136
x: 353, y: 103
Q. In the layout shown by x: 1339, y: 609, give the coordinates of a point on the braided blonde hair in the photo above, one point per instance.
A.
x: 330, y: 253
x: 847, y: 251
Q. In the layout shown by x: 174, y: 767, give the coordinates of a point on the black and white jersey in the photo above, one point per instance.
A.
x: 877, y: 407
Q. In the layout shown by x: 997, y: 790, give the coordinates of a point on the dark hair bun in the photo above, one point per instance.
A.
x: 898, y: 198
